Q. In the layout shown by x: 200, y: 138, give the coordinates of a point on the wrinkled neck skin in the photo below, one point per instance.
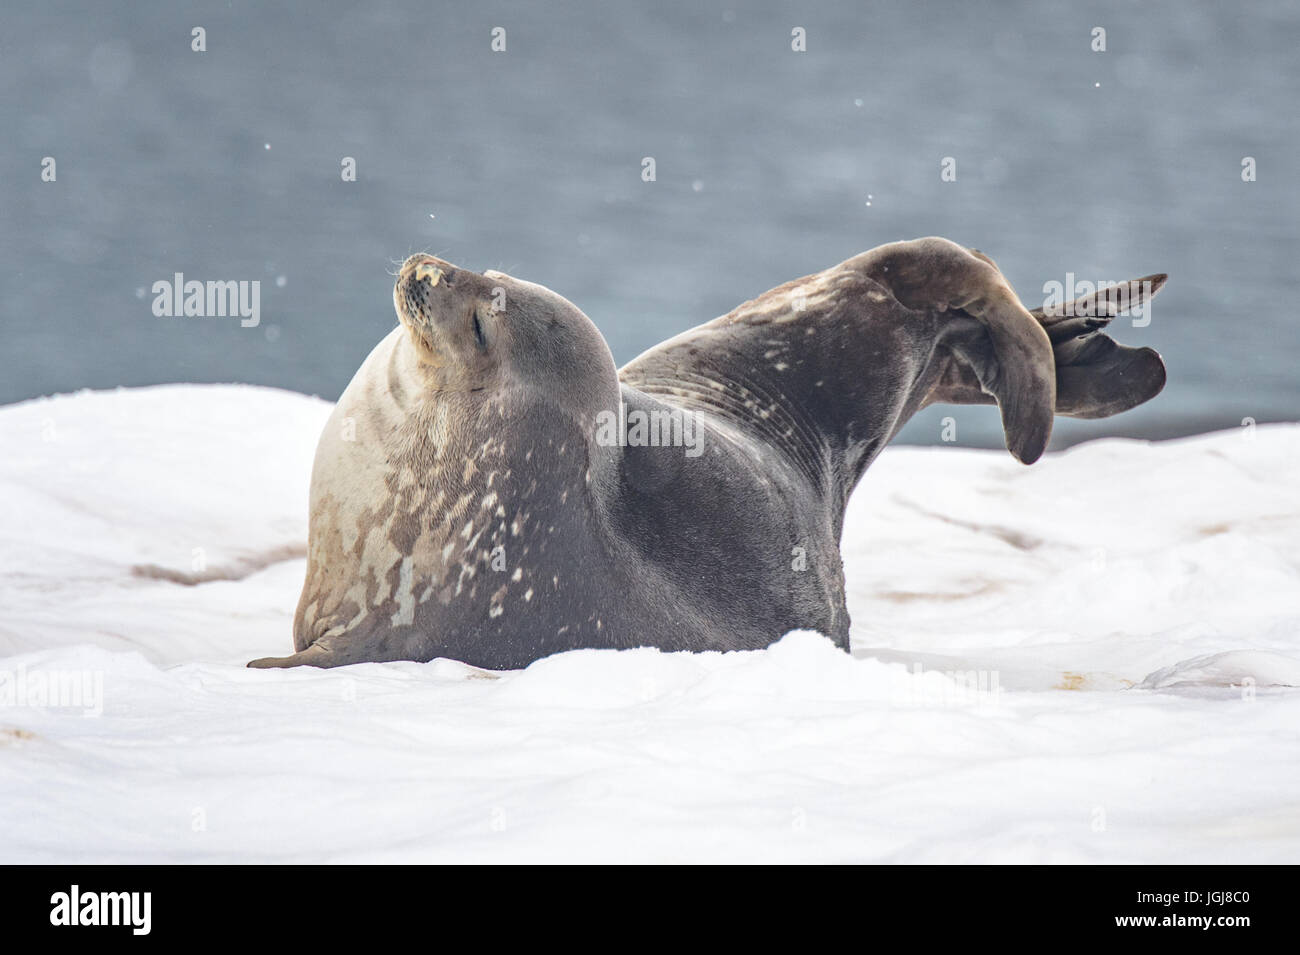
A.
x: 785, y: 367
x: 446, y: 419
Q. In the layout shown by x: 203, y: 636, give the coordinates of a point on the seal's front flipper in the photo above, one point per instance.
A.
x: 314, y: 656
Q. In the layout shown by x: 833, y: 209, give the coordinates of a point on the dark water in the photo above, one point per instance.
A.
x: 226, y: 165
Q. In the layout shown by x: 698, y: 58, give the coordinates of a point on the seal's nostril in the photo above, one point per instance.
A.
x: 429, y: 272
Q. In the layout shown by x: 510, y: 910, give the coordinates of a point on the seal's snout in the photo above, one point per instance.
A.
x: 426, y: 270
x: 428, y: 295
x: 422, y: 286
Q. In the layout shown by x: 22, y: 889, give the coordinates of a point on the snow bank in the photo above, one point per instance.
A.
x: 1090, y: 660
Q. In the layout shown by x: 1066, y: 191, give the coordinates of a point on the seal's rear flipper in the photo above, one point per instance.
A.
x: 1012, y: 358
x: 1096, y: 376
x: 1105, y: 378
x: 1103, y: 304
x: 1020, y: 378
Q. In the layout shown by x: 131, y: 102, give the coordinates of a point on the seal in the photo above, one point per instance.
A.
x: 490, y: 489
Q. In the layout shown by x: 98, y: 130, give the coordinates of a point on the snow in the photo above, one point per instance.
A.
x: 1091, y: 660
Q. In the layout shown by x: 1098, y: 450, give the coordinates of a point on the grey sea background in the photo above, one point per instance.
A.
x: 770, y: 164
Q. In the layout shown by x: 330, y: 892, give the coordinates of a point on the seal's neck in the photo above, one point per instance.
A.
x: 824, y: 370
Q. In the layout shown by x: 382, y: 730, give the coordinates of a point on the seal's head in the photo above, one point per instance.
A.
x: 502, y: 336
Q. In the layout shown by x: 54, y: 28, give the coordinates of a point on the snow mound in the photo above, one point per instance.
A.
x: 1237, y: 668
x: 1090, y: 660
